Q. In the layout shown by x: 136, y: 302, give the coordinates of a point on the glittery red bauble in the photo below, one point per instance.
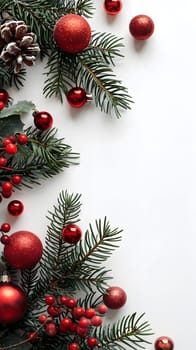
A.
x: 112, y: 7
x: 164, y: 343
x: 115, y: 297
x: 15, y: 207
x: 72, y: 33
x: 76, y: 97
x: 71, y: 234
x: 43, y: 120
x: 13, y: 303
x: 141, y: 27
x: 23, y: 250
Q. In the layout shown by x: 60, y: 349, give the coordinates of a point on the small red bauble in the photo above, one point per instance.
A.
x: 112, y: 7
x: 164, y: 343
x: 71, y: 234
x: 4, y: 97
x: 115, y: 297
x: 16, y: 179
x: 5, y: 227
x: 43, y: 120
x: 13, y: 303
x: 23, y: 250
x: 141, y: 27
x: 77, y: 97
x: 15, y: 207
x: 72, y: 33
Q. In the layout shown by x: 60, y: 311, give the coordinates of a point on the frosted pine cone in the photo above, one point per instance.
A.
x: 17, y: 46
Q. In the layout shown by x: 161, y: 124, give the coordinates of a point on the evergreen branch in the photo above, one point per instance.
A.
x: 9, y: 78
x: 127, y: 332
x: 29, y: 278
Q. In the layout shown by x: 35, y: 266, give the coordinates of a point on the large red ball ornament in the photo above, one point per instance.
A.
x: 112, y: 7
x: 13, y: 303
x: 141, y: 27
x: 71, y: 233
x: 164, y: 343
x: 115, y: 297
x: 23, y: 250
x: 72, y: 33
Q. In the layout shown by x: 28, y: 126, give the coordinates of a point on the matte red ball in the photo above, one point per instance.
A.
x: 71, y: 233
x: 72, y: 33
x: 112, y: 7
x: 15, y: 207
x: 115, y: 297
x: 141, y: 27
x: 24, y: 250
x: 43, y: 120
x: 164, y: 343
x: 76, y: 97
x: 13, y: 303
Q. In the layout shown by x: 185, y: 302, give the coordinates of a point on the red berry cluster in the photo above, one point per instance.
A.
x: 64, y: 315
x: 4, y: 98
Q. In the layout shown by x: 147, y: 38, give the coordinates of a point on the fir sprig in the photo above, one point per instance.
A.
x: 90, y: 69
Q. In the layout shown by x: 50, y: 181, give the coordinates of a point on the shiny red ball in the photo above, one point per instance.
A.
x: 76, y: 97
x: 4, y: 97
x: 164, y: 343
x: 72, y: 33
x: 141, y: 27
x: 15, y: 207
x: 43, y: 120
x: 13, y: 303
x: 112, y: 7
x: 115, y: 297
x: 71, y: 233
x: 24, y: 250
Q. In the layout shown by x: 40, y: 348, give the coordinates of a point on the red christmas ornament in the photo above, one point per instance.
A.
x: 115, y: 297
x: 72, y: 33
x: 43, y: 120
x: 164, y: 343
x: 71, y: 234
x: 112, y: 7
x: 15, y: 207
x: 141, y: 27
x: 77, y: 97
x: 4, y: 97
x: 13, y: 303
x: 23, y: 250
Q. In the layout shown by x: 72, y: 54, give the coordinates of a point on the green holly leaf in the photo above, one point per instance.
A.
x: 19, y: 108
x: 10, y: 125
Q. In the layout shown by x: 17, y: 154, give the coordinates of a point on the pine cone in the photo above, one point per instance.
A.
x: 17, y: 46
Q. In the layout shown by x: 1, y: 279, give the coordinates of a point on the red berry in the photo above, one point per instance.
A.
x: 92, y: 342
x: 5, y: 239
x: 54, y: 310
x: 16, y: 179
x: 3, y: 161
x: 5, y: 141
x: 12, y: 138
x: 78, y: 312
x: 33, y: 337
x: 63, y: 299
x: 65, y: 324
x: 82, y: 332
x: 43, y: 120
x: 42, y: 318
x: 71, y: 234
x: 51, y: 329
x: 5, y: 227
x: 7, y: 186
x: 22, y: 139
x: 4, y: 97
x: 15, y: 207
x: 96, y: 321
x: 84, y: 322
x: 71, y: 302
x: 73, y: 327
x: 50, y: 299
x: 2, y: 105
x: 102, y: 308
x: 6, y: 194
x: 90, y: 312
x: 73, y: 346
x: 11, y: 148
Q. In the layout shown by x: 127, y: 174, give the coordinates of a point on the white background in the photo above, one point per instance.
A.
x: 138, y: 171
